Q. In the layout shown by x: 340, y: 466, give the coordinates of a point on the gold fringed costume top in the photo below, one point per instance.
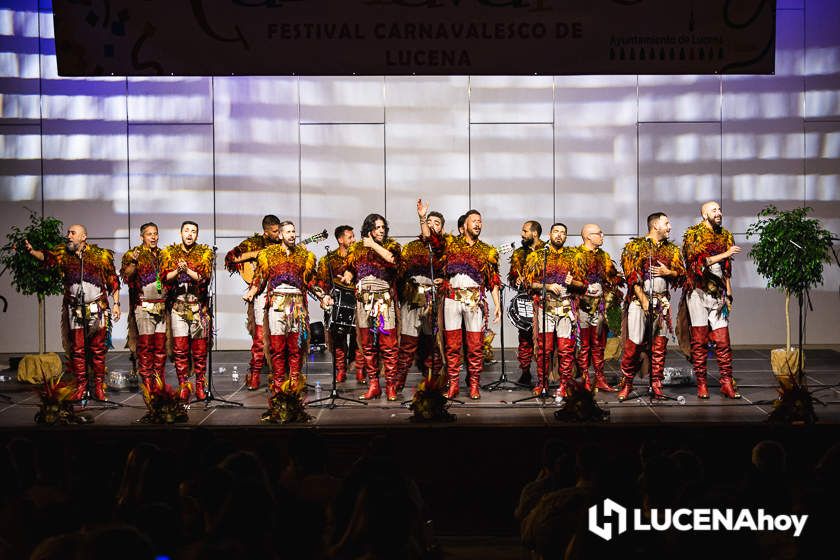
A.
x: 256, y: 242
x: 198, y: 258
x: 699, y: 243
x: 518, y: 259
x: 641, y: 253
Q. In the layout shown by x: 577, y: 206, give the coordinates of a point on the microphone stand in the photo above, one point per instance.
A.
x: 210, y: 397
x: 543, y: 395
x: 503, y: 379
x: 334, y: 394
x: 435, y: 322
x: 80, y: 297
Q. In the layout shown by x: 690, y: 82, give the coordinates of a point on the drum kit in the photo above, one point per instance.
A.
x: 340, y: 316
x: 521, y: 311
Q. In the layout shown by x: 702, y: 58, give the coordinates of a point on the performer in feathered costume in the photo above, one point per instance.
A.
x: 652, y: 264
x: 242, y: 259
x: 470, y: 269
x: 554, y: 267
x: 286, y: 271
x: 140, y: 270
x: 373, y: 265
x: 531, y: 231
x: 598, y: 272
x: 187, y: 268
x: 708, y: 249
x: 343, y: 346
x: 418, y: 313
x: 89, y: 276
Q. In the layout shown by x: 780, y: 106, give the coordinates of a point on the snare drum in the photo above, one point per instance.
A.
x: 340, y: 318
x: 521, y: 311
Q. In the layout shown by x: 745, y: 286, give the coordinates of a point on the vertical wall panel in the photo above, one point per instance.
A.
x: 762, y: 132
x: 347, y: 99
x: 19, y: 71
x: 595, y: 147
x: 170, y: 100
x: 679, y: 98
x: 511, y: 99
x: 822, y: 60
x: 427, y: 143
x: 679, y: 170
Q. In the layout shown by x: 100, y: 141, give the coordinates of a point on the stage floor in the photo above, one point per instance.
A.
x: 495, y: 408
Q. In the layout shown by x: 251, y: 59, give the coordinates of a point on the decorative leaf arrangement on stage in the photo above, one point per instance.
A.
x: 56, y: 408
x: 429, y: 403
x: 580, y: 406
x: 286, y: 406
x: 163, y: 404
x: 790, y: 253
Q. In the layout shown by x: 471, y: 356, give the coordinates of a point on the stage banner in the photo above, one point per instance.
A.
x: 405, y: 37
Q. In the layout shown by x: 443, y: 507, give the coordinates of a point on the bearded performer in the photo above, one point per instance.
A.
x: 652, y: 265
x: 89, y: 276
x: 187, y: 268
x: 343, y: 345
x: 242, y: 259
x: 554, y: 319
x: 708, y: 249
x: 596, y: 269
x: 470, y: 269
x: 419, y: 270
x: 140, y: 269
x: 373, y: 263
x: 286, y: 271
x: 531, y: 231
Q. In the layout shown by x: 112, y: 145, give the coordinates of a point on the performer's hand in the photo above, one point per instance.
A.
x: 518, y: 281
x: 327, y: 302
x: 555, y: 289
x: 734, y: 250
x: 347, y: 277
x: 115, y: 311
x: 422, y: 209
x: 249, y: 295
x: 135, y: 254
x: 660, y: 270
x: 28, y: 245
x: 368, y: 242
x: 568, y: 279
x: 182, y: 266
x: 497, y: 314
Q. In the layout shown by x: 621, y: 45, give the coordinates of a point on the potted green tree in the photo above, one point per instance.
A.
x: 30, y: 277
x: 790, y: 253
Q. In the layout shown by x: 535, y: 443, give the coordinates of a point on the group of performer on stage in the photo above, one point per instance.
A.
x: 391, y: 306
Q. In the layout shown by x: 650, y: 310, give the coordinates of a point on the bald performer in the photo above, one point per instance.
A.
x: 601, y: 278
x: 708, y: 249
x: 89, y: 275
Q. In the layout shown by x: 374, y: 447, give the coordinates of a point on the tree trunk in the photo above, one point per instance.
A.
x: 42, y: 327
x: 787, y: 321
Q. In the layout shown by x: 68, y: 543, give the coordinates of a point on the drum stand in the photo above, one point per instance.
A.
x: 502, y: 382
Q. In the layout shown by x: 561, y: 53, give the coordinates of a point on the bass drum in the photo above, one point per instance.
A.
x: 521, y: 311
x: 341, y: 317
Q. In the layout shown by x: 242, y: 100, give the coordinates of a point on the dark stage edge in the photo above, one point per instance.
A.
x: 751, y: 366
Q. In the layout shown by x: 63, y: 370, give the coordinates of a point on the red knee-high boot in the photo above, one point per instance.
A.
x: 278, y: 361
x: 657, y: 365
x: 453, y: 360
x: 295, y: 353
x: 723, y: 353
x: 525, y: 354
x: 699, y: 341
x: 598, y: 343
x: 371, y: 364
x: 408, y: 348
x: 181, y: 351
x: 565, y: 366
x: 545, y: 347
x: 358, y: 357
x: 629, y: 367
x: 339, y: 345
x: 199, y: 358
x: 159, y: 342
x: 145, y: 360
x: 475, y: 362
x: 97, y: 349
x: 257, y: 358
x: 389, y: 349
x: 582, y: 358
x: 76, y: 363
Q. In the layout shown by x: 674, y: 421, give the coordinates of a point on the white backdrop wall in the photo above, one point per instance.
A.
x: 113, y: 153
